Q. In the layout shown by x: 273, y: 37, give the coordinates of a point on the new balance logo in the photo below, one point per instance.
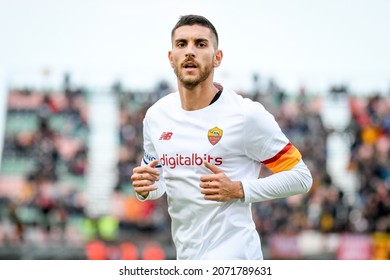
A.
x: 166, y: 136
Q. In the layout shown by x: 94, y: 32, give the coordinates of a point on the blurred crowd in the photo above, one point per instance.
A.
x: 58, y: 151
x: 45, y: 152
x: 370, y: 159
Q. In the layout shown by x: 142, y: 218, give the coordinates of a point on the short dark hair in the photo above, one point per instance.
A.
x: 195, y: 19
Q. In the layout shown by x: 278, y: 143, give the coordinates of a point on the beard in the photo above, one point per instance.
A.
x: 192, y: 81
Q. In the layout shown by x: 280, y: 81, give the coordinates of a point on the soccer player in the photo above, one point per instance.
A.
x: 204, y: 146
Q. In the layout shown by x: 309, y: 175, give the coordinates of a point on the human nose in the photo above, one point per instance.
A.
x: 190, y: 51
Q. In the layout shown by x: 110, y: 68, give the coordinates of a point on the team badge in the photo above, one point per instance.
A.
x: 214, y: 135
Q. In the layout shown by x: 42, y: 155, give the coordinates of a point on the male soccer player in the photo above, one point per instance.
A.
x: 204, y: 146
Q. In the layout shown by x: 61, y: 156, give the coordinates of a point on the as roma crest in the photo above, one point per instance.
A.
x: 214, y: 135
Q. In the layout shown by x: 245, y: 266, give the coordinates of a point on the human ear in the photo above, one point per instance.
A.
x: 170, y: 58
x: 218, y: 58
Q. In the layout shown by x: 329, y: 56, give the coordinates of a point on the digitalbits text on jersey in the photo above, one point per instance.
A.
x: 190, y: 160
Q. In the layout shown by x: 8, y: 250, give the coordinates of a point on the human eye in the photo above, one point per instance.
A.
x: 180, y: 44
x: 202, y: 44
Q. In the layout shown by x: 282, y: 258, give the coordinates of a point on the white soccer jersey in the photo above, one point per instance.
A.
x: 234, y: 133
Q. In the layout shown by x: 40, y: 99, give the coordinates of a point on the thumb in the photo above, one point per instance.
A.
x: 212, y: 167
x: 153, y: 163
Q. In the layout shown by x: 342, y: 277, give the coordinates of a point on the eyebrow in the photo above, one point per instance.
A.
x: 198, y: 40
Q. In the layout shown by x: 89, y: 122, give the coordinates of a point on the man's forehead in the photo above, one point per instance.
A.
x: 192, y: 32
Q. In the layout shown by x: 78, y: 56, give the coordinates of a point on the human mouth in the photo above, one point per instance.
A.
x: 189, y: 65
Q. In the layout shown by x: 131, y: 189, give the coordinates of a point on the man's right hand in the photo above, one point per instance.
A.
x: 144, y: 177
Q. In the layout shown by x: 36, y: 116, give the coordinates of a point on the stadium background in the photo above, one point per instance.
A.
x: 68, y: 146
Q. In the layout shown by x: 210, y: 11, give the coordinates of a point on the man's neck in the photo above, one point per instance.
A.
x: 198, y: 97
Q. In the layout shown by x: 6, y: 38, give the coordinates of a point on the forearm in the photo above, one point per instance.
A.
x: 298, y: 180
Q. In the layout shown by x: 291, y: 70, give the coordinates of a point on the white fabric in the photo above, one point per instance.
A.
x: 204, y: 229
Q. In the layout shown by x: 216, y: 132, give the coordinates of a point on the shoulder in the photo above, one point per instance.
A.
x: 249, y: 106
x: 255, y: 115
x: 164, y: 104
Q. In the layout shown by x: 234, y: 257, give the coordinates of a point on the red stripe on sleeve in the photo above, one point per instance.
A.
x: 278, y: 155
